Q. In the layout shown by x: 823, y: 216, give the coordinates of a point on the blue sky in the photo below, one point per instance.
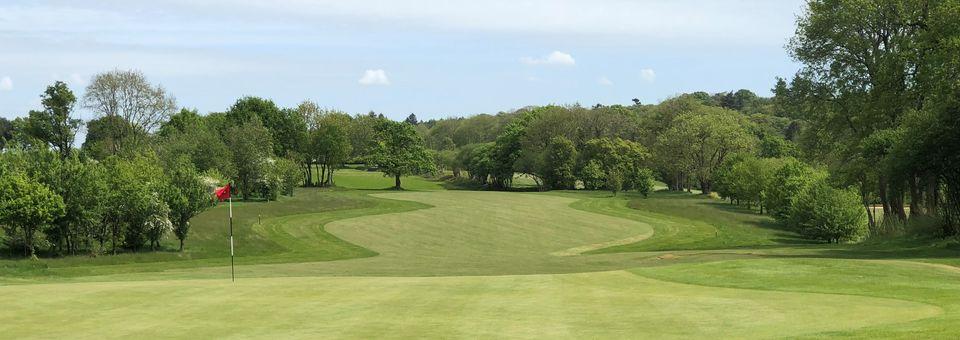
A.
x: 432, y: 58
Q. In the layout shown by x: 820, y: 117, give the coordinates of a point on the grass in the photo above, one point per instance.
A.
x: 370, y: 180
x: 358, y: 261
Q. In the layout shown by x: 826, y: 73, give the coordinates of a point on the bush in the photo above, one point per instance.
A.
x: 825, y: 213
x: 593, y: 176
x: 787, y: 185
x: 641, y: 180
x: 280, y: 177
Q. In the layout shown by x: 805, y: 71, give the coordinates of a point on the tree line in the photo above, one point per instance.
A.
x: 868, y: 124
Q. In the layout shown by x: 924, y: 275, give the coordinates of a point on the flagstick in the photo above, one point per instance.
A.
x: 232, y: 276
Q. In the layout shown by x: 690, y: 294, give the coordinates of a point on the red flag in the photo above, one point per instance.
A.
x: 223, y: 193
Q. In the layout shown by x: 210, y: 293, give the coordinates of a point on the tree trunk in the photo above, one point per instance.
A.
x: 181, y: 245
x: 323, y: 175
x: 884, y: 199
x: 899, y: 208
x: 330, y: 176
x: 397, y: 186
x: 933, y: 193
x: 916, y: 199
x: 27, y: 247
x: 114, y: 237
x: 309, y: 181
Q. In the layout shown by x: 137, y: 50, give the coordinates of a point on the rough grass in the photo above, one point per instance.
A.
x: 359, y: 262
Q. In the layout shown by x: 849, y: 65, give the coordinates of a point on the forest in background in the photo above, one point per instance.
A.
x: 870, y: 120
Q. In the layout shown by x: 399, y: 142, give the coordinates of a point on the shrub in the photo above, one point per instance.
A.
x: 825, y: 213
x: 593, y: 176
x: 787, y: 185
x: 641, y: 180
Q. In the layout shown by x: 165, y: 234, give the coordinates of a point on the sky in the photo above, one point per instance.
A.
x: 429, y: 57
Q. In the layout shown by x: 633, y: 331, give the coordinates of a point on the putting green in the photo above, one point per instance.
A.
x: 468, y: 264
x: 605, y: 304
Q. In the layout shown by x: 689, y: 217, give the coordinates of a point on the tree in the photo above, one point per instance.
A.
x: 702, y: 139
x: 157, y: 224
x: 614, y: 181
x: 6, y: 132
x: 134, y: 185
x: 475, y: 159
x: 54, y: 125
x: 775, y: 146
x: 641, y: 180
x: 751, y: 179
x: 866, y: 65
x: 183, y: 121
x: 330, y: 143
x: 559, y: 163
x: 26, y: 206
x: 251, y: 146
x: 615, y: 155
x: 128, y: 95
x: 363, y: 133
x: 593, y: 175
x: 281, y: 177
x: 399, y: 151
x: 186, y: 197
x: 83, y: 187
x: 104, y: 140
x: 189, y: 135
x: 411, y: 119
x: 287, y: 127
x: 787, y: 185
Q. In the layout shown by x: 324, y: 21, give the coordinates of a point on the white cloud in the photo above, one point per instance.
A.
x: 554, y: 58
x: 374, y: 77
x: 6, y: 84
x: 648, y: 75
x: 604, y: 81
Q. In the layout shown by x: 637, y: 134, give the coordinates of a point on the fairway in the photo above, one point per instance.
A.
x: 473, y: 264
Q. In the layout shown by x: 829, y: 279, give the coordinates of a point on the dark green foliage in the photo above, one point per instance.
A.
x: 399, y: 151
x: 411, y: 119
x: 54, y: 125
x: 329, y: 142
x: 186, y: 196
x: 476, y: 160
x: 286, y: 127
x: 103, y: 138
x: 6, y: 132
x: 251, y: 146
x: 625, y: 158
x: 787, y: 184
x: 614, y: 181
x: 559, y: 160
x: 593, y: 176
x: 775, y: 146
x: 26, y: 207
x: 828, y: 214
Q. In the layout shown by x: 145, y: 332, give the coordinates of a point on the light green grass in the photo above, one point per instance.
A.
x: 356, y: 262
x: 593, y: 305
x: 369, y: 180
